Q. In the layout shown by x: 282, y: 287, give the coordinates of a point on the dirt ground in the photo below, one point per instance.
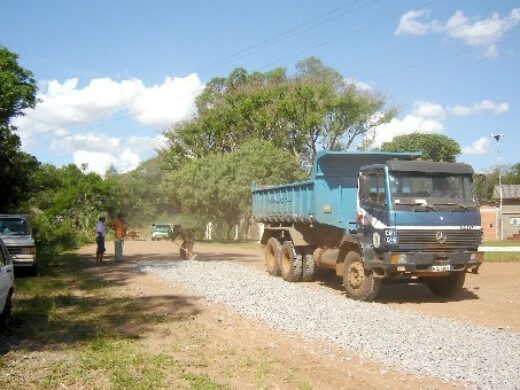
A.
x: 231, y: 343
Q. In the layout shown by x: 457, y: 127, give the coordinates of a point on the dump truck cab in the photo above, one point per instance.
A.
x: 419, y: 217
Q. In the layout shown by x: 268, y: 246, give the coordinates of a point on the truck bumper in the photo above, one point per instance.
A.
x: 23, y: 260
x: 434, y: 262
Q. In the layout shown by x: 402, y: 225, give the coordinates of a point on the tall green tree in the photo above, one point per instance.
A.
x: 218, y: 187
x: 312, y: 109
x: 436, y: 147
x: 17, y: 93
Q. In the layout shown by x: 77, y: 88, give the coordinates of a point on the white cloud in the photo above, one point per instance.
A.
x: 409, y: 124
x: 480, y: 146
x: 429, y: 110
x: 66, y: 105
x: 408, y: 23
x: 482, y: 106
x: 485, y: 33
x: 360, y: 85
x: 168, y: 103
x: 99, y: 162
x: 88, y: 142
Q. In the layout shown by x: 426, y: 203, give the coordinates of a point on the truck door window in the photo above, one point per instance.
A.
x: 372, y: 188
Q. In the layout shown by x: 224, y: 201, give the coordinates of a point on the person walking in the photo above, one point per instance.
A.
x: 100, y: 239
x: 118, y: 224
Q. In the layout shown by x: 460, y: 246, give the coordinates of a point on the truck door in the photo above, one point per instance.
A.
x: 6, y: 276
x: 372, y: 200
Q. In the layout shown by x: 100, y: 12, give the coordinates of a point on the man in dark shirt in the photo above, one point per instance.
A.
x: 188, y: 240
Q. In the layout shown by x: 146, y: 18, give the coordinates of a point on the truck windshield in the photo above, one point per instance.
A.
x: 162, y: 228
x: 434, y: 189
x: 14, y: 227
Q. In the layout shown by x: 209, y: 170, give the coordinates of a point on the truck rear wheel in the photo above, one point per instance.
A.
x: 308, y: 267
x: 291, y: 263
x: 273, y: 250
x: 359, y: 284
x: 447, y: 286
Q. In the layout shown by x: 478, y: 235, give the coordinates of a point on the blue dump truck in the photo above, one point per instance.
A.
x: 371, y: 216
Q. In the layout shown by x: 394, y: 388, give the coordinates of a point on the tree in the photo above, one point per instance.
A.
x: 17, y: 88
x: 17, y: 93
x: 218, y: 187
x: 315, y: 108
x: 436, y: 147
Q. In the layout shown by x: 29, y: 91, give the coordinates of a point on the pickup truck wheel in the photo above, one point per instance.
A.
x: 273, y: 250
x: 309, y: 267
x: 447, y: 286
x: 291, y: 263
x: 359, y: 284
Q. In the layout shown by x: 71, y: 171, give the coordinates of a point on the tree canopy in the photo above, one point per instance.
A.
x: 17, y: 92
x: 436, y: 147
x: 217, y: 187
x: 314, y: 108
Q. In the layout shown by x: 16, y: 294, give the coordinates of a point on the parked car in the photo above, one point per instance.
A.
x: 15, y: 230
x: 6, y: 282
x: 161, y: 231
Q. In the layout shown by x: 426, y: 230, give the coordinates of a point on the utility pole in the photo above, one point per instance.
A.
x: 497, y: 138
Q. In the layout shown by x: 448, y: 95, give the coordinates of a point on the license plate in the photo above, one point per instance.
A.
x: 441, y: 268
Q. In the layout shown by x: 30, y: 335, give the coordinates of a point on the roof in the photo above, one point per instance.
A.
x: 509, y: 191
x: 429, y: 167
x: 347, y: 163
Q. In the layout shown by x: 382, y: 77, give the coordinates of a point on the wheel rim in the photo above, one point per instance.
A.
x: 270, y: 258
x: 286, y: 262
x: 356, y: 275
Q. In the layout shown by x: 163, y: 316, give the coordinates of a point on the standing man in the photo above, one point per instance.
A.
x: 119, y: 225
x: 100, y: 239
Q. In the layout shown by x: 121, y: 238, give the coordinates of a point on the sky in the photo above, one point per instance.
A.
x: 113, y: 75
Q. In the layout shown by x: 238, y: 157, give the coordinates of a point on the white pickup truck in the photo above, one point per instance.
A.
x: 15, y: 231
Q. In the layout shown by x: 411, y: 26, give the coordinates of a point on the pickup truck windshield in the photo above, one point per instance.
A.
x: 162, y: 228
x: 13, y: 227
x: 433, y: 189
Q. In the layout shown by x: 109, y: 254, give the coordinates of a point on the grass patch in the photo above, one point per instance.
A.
x: 200, y: 382
x: 501, y: 243
x: 88, y: 336
x: 501, y: 257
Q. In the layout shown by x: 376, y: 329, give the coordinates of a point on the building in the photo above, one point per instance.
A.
x: 510, y: 210
x: 489, y: 221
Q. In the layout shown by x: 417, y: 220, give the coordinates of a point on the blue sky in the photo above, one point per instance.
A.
x: 114, y: 74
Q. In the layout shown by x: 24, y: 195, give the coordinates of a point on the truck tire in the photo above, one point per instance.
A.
x: 309, y: 267
x: 291, y: 263
x: 273, y: 251
x: 447, y: 286
x: 359, y: 284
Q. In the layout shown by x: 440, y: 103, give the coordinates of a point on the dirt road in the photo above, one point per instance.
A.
x: 489, y: 299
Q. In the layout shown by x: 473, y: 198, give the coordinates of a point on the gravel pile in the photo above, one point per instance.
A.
x: 454, y: 351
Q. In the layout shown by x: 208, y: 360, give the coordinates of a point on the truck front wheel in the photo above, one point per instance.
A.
x: 447, y: 286
x: 359, y: 284
x: 273, y: 250
x: 291, y: 263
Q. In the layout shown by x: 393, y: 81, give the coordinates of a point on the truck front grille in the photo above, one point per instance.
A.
x: 20, y: 250
x: 438, y: 240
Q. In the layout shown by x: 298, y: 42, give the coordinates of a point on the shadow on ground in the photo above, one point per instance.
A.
x: 71, y: 302
x: 397, y: 291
